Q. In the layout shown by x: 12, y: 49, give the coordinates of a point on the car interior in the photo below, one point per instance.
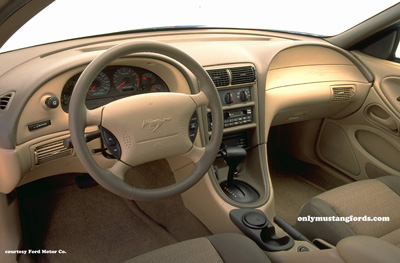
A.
x: 201, y: 144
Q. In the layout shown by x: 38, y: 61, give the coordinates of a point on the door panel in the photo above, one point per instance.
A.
x: 366, y: 144
x: 377, y: 115
x: 390, y: 87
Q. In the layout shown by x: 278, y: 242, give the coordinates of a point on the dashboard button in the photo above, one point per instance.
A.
x: 111, y: 143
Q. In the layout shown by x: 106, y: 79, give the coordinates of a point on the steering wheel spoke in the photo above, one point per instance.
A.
x: 200, y: 99
x: 119, y: 169
x: 195, y: 154
x: 93, y: 117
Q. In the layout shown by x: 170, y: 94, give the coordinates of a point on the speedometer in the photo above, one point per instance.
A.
x: 100, y: 86
x: 126, y: 79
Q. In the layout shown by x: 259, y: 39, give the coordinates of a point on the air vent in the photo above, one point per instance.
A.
x: 5, y: 100
x: 220, y: 77
x: 232, y: 76
x: 50, y: 151
x: 342, y: 93
x: 242, y: 75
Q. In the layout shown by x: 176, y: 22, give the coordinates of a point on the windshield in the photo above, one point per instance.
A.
x: 68, y: 19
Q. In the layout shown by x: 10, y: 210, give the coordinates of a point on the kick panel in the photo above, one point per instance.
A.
x: 335, y: 149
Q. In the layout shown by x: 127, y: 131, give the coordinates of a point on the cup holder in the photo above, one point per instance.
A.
x: 254, y: 224
x: 273, y: 242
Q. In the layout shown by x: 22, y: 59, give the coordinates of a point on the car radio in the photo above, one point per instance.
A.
x: 234, y: 117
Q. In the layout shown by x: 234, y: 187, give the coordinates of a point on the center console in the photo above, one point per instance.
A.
x: 239, y: 176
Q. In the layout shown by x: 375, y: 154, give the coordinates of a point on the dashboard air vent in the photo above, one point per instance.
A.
x: 242, y: 75
x: 342, y: 93
x: 5, y: 100
x: 50, y: 151
x: 220, y: 77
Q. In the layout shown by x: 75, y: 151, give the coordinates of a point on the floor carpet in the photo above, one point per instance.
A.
x: 290, y: 193
x: 94, y: 225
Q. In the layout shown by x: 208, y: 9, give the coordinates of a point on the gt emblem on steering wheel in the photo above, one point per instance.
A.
x: 154, y: 124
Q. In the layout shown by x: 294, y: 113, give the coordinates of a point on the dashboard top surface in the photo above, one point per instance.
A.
x: 63, y: 61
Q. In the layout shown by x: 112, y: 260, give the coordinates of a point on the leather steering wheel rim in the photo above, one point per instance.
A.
x: 80, y: 118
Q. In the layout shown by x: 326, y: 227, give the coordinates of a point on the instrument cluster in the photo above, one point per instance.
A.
x: 113, y: 83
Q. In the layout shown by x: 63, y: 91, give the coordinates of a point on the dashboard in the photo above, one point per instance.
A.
x: 113, y: 83
x: 261, y: 81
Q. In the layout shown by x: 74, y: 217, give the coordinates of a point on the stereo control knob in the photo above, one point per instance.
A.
x: 243, y: 96
x: 229, y: 98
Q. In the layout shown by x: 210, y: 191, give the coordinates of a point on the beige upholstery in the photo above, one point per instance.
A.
x: 195, y: 250
x: 372, y: 198
x: 230, y: 248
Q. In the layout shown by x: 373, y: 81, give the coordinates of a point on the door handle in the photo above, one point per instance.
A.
x: 389, y: 122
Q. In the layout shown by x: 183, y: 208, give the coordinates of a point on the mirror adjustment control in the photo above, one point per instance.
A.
x: 111, y: 143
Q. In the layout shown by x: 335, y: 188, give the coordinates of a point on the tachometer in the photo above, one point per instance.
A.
x: 126, y: 79
x: 100, y: 86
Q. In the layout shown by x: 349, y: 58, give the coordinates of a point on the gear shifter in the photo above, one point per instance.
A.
x: 233, y: 156
x: 236, y: 190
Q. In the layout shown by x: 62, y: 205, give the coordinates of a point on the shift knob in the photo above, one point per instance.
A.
x: 233, y: 156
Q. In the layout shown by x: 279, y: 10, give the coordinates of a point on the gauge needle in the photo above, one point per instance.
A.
x: 94, y: 86
x: 121, y: 85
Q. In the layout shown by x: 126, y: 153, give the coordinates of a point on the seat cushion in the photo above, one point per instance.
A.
x: 369, y: 198
x: 213, y: 249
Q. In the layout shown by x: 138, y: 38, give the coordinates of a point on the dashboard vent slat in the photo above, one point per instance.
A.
x: 243, y: 75
x: 340, y: 94
x: 5, y: 100
x: 220, y: 77
x: 50, y: 151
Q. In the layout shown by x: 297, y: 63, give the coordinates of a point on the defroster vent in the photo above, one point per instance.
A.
x: 50, y: 151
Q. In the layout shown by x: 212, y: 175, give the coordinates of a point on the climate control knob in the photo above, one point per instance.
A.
x: 229, y: 98
x: 244, y: 96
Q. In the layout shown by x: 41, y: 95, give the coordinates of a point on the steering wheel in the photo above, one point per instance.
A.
x: 143, y: 128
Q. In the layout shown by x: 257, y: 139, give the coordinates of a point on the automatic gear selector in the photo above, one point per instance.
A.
x: 236, y: 190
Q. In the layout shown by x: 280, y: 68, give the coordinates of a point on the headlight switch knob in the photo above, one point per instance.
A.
x: 52, y: 102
